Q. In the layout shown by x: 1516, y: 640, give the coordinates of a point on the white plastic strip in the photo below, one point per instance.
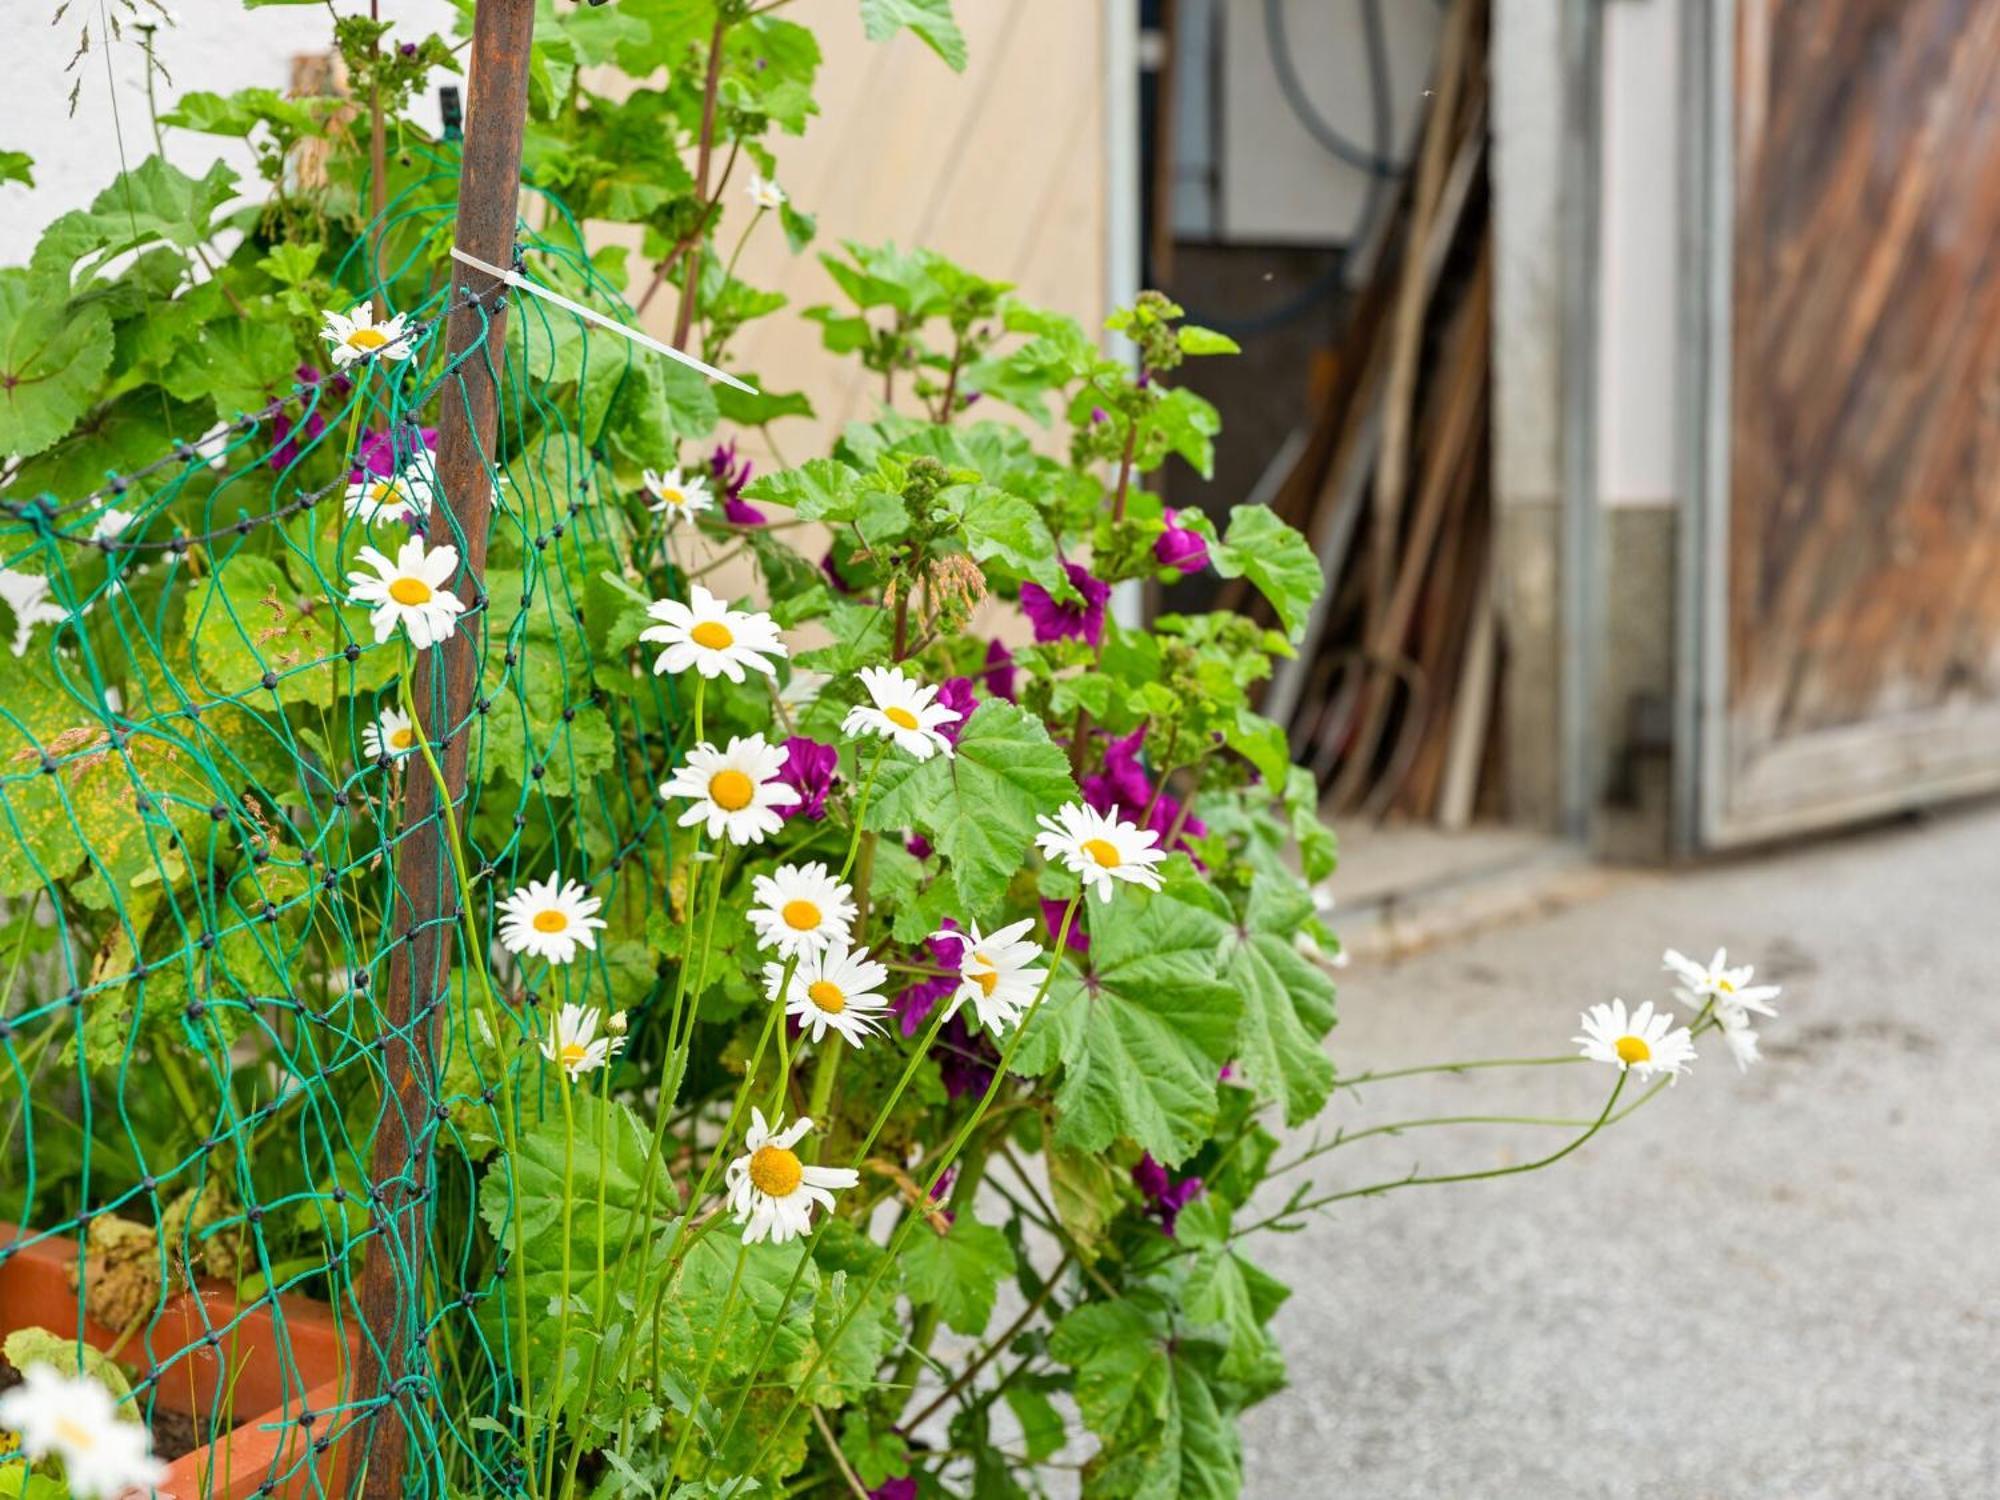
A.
x: 516, y: 279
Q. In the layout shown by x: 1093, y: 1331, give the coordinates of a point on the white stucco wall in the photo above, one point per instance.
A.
x: 216, y: 45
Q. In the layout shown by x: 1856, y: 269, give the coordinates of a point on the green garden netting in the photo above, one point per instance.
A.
x: 199, y: 887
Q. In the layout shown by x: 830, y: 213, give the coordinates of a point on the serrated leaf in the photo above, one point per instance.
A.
x: 1005, y: 529
x: 821, y: 489
x: 1287, y: 1001
x: 25, y: 1347
x: 930, y: 19
x: 51, y: 360
x: 1144, y: 1031
x: 979, y: 805
x: 959, y: 1272
x: 1275, y: 558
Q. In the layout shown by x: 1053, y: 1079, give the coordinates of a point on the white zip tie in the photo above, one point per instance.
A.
x: 515, y: 278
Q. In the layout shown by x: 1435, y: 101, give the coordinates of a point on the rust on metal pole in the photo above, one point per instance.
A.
x: 424, y: 922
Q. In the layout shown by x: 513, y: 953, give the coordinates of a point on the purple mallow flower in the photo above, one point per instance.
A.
x: 832, y: 570
x: 1052, y: 913
x: 808, y: 770
x: 999, y: 673
x: 294, y: 436
x: 1055, y: 621
x: 732, y: 472
x: 1165, y: 1198
x: 904, y: 1488
x: 384, y: 451
x: 1179, y: 547
x: 966, y: 1059
x: 1122, y: 785
x: 956, y: 694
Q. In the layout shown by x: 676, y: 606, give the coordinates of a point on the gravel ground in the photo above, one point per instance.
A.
x: 1783, y: 1284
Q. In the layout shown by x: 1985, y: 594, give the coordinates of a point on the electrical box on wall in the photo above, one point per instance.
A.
x: 1277, y: 176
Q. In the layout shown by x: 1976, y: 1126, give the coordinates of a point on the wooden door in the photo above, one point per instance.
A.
x: 1848, y: 585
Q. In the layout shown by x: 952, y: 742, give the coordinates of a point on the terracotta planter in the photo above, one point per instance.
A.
x: 279, y: 1452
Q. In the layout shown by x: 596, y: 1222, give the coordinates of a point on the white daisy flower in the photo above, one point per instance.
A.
x: 765, y: 192
x: 996, y: 973
x: 550, y: 921
x: 801, y: 908
x: 736, y: 792
x: 573, y: 1042
x: 1643, y: 1044
x: 75, y: 1419
x: 902, y: 710
x: 110, y: 523
x: 1742, y: 1043
x: 1100, y: 848
x: 677, y: 497
x: 391, y: 734
x: 709, y: 636
x: 833, y: 989
x: 27, y: 594
x: 358, y: 335
x: 411, y: 592
x: 1731, y: 990
x: 771, y: 1191
x: 392, y: 497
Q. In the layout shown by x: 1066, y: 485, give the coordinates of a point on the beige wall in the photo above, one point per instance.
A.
x: 1001, y: 167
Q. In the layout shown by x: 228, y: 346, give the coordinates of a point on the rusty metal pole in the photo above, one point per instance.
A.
x: 424, y: 922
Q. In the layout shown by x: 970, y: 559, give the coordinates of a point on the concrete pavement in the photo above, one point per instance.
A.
x: 1784, y: 1284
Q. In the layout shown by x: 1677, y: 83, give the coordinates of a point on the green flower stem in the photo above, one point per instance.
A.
x: 826, y: 1067
x: 566, y: 1084
x: 993, y: 1348
x: 861, y: 809
x: 1459, y: 1067
x: 944, y: 1161
x: 1375, y: 1189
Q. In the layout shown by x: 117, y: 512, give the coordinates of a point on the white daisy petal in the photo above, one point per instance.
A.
x: 1643, y: 1043
x: 835, y: 989
x: 1729, y: 989
x: 75, y: 1419
x: 800, y: 908
x: 765, y: 193
x: 358, y: 336
x: 771, y: 1191
x: 676, y: 496
x: 409, y: 592
x: 902, y: 711
x: 550, y: 920
x: 997, y: 977
x: 1100, y: 848
x: 388, y: 736
x: 574, y: 1045
x: 395, y: 497
x: 736, y: 792
x: 715, y: 640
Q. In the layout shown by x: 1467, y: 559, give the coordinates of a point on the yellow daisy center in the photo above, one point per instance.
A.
x: 901, y: 717
x: 73, y: 1434
x: 411, y: 592
x: 775, y: 1172
x: 801, y: 916
x: 712, y: 635
x: 365, y: 339
x: 730, y: 790
x: 989, y: 980
x: 550, y: 921
x: 827, y: 996
x: 402, y: 739
x: 1632, y: 1049
x: 1103, y: 851
x: 385, y: 493
x: 1726, y: 986
x: 672, y: 497
x: 573, y: 1053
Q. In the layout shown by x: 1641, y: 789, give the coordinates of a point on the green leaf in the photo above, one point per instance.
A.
x: 238, y: 364
x: 1275, y: 558
x: 154, y: 202
x: 1262, y: 743
x: 1006, y: 529
x: 38, y: 1346
x: 1143, y: 1033
x: 929, y: 19
x: 959, y: 1272
x: 246, y: 619
x: 1197, y: 340
x: 979, y: 805
x: 52, y: 357
x: 1122, y: 1382
x: 17, y: 166
x: 821, y: 489
x: 1287, y: 1000
x: 1182, y: 423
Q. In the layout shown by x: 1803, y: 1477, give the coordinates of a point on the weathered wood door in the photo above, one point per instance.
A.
x: 1845, y: 580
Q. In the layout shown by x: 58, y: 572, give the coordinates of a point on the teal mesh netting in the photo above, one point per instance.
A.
x: 199, y: 901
